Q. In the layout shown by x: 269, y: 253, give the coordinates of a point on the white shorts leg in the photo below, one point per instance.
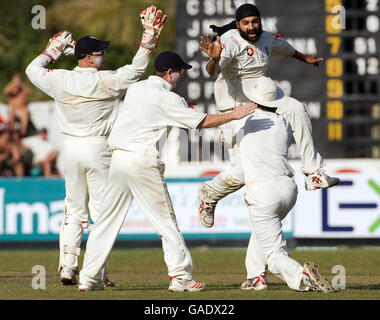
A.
x: 115, y: 205
x: 226, y: 182
x: 268, y: 204
x: 255, y: 259
x: 295, y: 112
x: 145, y: 176
x: 70, y: 239
x: 86, y: 168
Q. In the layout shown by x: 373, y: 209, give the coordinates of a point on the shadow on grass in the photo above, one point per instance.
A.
x: 213, y: 287
x: 16, y: 276
x: 363, y: 287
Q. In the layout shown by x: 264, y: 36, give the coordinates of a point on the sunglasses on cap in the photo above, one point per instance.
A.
x: 98, y: 53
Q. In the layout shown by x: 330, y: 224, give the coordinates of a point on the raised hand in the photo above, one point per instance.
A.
x: 70, y: 49
x: 213, y: 50
x: 57, y: 45
x: 153, y: 21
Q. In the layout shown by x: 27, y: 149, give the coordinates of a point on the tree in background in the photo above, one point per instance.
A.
x: 114, y: 20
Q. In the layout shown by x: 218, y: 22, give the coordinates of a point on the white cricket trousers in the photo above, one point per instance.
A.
x: 140, y: 176
x: 232, y: 178
x: 268, y: 203
x: 86, y: 165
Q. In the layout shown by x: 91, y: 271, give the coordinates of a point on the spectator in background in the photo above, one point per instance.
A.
x: 44, y: 153
x: 5, y: 152
x: 17, y: 94
x: 22, y: 157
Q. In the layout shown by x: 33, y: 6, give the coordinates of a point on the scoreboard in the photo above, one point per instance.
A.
x: 342, y: 96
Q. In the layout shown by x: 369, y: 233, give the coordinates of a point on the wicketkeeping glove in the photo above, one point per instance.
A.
x: 57, y: 44
x: 153, y: 21
x: 70, y: 49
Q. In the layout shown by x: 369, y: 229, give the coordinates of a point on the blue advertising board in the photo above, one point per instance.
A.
x: 31, y: 209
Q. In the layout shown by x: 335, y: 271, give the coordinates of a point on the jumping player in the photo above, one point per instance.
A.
x: 240, y: 56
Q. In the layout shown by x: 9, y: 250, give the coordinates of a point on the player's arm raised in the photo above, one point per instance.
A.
x: 36, y: 71
x: 153, y: 21
x: 215, y: 120
x: 281, y: 48
x: 214, y: 51
x: 307, y: 58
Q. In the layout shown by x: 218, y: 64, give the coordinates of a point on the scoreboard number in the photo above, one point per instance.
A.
x: 342, y: 96
x: 334, y: 67
x: 368, y: 66
x: 335, y: 43
x: 364, y: 46
x: 372, y: 5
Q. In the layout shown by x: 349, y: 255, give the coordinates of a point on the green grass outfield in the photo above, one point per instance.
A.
x: 140, y: 274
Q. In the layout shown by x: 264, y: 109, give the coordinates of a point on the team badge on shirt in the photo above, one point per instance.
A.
x: 250, y: 51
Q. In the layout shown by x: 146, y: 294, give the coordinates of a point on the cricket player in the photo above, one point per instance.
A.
x: 241, y: 56
x: 150, y: 109
x: 271, y: 191
x: 87, y: 100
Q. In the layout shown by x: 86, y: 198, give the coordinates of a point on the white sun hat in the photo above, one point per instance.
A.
x: 263, y: 91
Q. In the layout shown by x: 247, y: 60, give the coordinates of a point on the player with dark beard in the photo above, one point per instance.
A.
x: 240, y: 57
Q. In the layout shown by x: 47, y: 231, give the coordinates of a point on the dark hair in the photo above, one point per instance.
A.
x: 162, y: 73
x: 159, y: 73
x: 267, y: 108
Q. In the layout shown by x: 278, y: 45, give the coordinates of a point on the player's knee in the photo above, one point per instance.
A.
x: 72, y: 220
x: 234, y: 180
x: 277, y: 252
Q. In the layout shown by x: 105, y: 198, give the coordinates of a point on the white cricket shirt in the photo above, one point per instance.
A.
x: 87, y: 99
x: 263, y: 150
x: 242, y: 59
x: 150, y: 108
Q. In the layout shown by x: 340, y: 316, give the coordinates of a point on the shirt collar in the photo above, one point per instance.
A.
x: 79, y: 69
x: 164, y: 83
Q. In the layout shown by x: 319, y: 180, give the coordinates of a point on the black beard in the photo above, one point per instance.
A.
x: 245, y: 36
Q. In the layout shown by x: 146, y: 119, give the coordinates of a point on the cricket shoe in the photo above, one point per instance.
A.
x: 313, y: 280
x: 91, y: 286
x: 256, y: 283
x: 319, y: 180
x: 180, y: 285
x: 108, y: 283
x: 68, y: 276
x: 206, y: 209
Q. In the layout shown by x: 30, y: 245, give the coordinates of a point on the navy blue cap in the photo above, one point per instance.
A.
x: 87, y: 45
x: 169, y: 60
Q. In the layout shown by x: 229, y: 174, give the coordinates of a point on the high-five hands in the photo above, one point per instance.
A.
x: 153, y: 21
x: 213, y: 50
x: 70, y: 49
x: 57, y: 44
